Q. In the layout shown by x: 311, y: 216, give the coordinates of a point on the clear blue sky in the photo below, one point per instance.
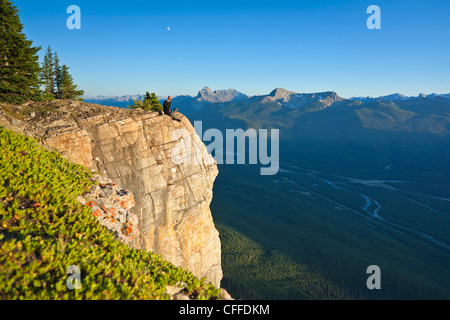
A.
x: 125, y: 47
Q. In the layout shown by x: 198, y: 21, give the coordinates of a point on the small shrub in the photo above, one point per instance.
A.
x: 149, y: 103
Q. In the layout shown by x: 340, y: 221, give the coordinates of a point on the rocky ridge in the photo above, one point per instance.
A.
x: 295, y: 100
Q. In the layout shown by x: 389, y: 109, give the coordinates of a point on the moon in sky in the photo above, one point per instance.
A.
x: 168, y: 28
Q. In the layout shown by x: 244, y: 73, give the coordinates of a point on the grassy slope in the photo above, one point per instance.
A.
x: 43, y: 231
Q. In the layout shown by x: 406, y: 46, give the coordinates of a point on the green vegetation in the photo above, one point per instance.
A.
x: 149, y: 103
x: 50, y: 68
x: 19, y: 66
x: 44, y: 231
x: 58, y: 82
x: 252, y: 272
x: 67, y: 89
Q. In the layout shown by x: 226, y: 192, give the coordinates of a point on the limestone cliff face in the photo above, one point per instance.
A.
x: 135, y: 149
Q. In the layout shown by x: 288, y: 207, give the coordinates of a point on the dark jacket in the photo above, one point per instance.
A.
x: 167, y: 104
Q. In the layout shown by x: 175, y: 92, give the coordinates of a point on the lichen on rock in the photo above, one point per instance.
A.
x: 111, y: 205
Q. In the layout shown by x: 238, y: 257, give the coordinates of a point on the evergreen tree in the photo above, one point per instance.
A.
x: 69, y: 90
x: 150, y: 103
x: 19, y: 66
x: 56, y: 79
x: 58, y: 76
x: 147, y: 97
x: 48, y: 74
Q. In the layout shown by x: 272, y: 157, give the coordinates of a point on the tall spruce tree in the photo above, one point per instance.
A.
x: 58, y: 76
x: 48, y: 74
x: 69, y: 90
x: 19, y: 66
x: 56, y: 80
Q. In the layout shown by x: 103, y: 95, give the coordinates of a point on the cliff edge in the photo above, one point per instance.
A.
x: 135, y: 149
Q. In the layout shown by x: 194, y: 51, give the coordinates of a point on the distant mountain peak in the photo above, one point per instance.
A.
x: 218, y: 96
x: 205, y: 90
x: 280, y: 90
x: 280, y: 93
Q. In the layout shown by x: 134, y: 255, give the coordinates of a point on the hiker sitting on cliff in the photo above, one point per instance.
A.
x: 166, y: 106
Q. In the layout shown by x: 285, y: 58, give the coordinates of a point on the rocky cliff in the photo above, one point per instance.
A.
x: 135, y: 149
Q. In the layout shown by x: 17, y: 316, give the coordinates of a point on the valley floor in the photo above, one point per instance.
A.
x: 315, y: 234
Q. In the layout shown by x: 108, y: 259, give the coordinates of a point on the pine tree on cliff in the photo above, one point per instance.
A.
x: 56, y: 79
x: 48, y: 74
x: 58, y: 76
x: 69, y: 90
x: 19, y: 66
x: 152, y: 101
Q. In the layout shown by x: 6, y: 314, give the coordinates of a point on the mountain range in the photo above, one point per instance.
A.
x: 293, y: 112
x: 401, y: 97
x: 287, y: 98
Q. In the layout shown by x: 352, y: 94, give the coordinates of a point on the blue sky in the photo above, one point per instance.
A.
x: 125, y: 47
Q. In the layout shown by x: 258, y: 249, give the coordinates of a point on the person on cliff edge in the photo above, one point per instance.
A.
x: 166, y: 107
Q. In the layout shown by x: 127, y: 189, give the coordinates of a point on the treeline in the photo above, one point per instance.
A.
x: 22, y: 78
